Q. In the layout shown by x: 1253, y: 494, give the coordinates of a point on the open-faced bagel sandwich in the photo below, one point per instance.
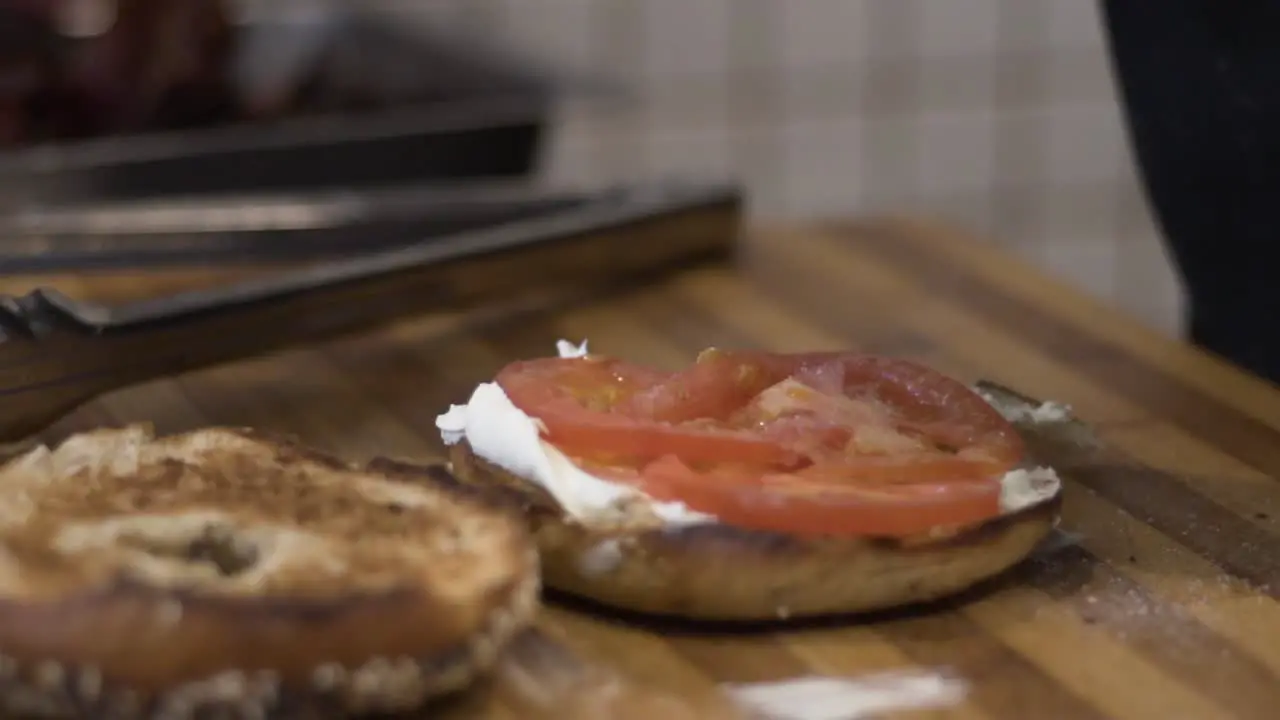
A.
x: 751, y: 485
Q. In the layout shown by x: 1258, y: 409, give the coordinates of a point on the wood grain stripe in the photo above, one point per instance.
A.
x: 1086, y: 659
x: 741, y: 307
x: 1174, y: 575
x: 645, y: 659
x: 861, y: 650
x: 161, y: 403
x: 86, y: 418
x: 823, y: 278
x: 1162, y: 501
x: 1162, y: 632
x: 1203, y: 467
x: 745, y: 317
x: 1006, y: 684
x: 731, y: 658
x: 420, y: 375
x: 1143, y: 383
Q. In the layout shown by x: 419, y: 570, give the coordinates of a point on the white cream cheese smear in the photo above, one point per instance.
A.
x: 855, y: 698
x: 567, y: 349
x: 1026, y: 487
x: 1045, y: 412
x: 500, y: 433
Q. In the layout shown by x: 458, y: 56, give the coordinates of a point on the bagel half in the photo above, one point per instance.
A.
x: 717, y: 572
x: 221, y: 573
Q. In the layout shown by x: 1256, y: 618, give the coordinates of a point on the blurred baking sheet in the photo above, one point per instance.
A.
x: 371, y: 102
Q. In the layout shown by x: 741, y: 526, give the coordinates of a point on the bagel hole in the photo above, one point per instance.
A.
x: 214, y: 545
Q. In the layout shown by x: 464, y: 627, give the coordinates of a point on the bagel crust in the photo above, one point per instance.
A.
x: 222, y: 573
x: 716, y: 572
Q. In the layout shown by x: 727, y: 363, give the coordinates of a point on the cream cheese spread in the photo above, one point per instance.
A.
x: 1045, y: 412
x: 1024, y: 487
x: 849, y: 698
x: 501, y: 434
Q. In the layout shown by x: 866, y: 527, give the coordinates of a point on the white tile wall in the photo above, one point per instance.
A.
x: 1074, y: 27
x: 557, y: 32
x: 958, y: 28
x: 1091, y: 265
x: 1073, y: 218
x: 818, y: 150
x: 1079, y: 77
x: 698, y: 151
x: 1023, y: 148
x: 956, y: 152
x: 962, y: 83
x: 827, y: 33
x: 684, y: 37
x: 1086, y: 143
x: 995, y: 114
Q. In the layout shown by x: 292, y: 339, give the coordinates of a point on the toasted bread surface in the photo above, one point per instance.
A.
x: 224, y: 571
x: 723, y: 573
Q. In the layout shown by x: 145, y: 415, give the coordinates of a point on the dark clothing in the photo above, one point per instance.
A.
x: 1200, y: 82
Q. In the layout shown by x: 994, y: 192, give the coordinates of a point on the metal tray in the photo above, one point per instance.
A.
x: 389, y: 105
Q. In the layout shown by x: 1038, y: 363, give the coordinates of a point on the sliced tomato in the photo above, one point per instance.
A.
x: 816, y: 443
x: 714, y: 387
x: 588, y: 407
x: 631, y: 440
x: 591, y: 383
x: 795, y: 504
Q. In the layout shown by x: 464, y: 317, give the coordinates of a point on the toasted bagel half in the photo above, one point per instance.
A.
x: 222, y: 573
x: 717, y: 572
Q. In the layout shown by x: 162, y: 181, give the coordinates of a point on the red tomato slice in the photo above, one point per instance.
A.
x: 586, y: 405
x: 713, y: 387
x: 592, y: 383
x: 790, y: 504
x: 816, y: 443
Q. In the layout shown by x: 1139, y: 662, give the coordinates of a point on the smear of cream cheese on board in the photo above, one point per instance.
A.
x: 851, y: 698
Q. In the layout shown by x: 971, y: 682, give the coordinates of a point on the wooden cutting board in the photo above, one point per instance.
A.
x: 1157, y: 599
